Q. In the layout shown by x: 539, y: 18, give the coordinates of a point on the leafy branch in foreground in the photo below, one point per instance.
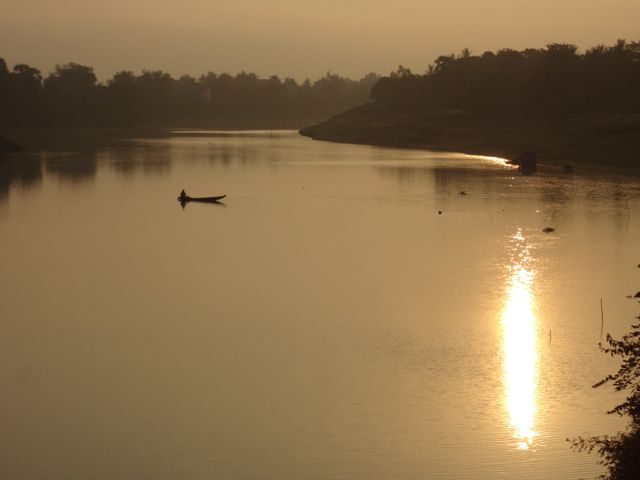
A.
x: 620, y: 453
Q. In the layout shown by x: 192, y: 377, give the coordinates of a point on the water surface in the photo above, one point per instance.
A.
x: 325, y: 322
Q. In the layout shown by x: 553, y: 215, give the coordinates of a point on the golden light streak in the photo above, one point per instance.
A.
x: 495, y: 160
x: 519, y: 346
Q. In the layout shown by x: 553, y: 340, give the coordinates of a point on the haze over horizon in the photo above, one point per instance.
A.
x: 292, y: 38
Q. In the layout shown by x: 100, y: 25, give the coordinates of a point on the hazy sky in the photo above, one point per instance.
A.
x: 296, y: 38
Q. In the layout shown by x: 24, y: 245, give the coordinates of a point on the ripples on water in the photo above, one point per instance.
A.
x: 325, y: 323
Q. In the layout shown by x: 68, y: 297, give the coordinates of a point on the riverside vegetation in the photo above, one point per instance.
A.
x: 565, y: 105
x: 71, y: 97
x: 620, y: 452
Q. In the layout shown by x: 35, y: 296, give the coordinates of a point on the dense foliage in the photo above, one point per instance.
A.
x: 554, y: 79
x: 621, y: 453
x: 71, y: 96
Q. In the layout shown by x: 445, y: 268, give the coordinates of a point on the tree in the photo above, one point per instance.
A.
x: 620, y: 453
x: 443, y: 62
x: 71, y: 95
x: 22, y: 95
x: 26, y: 81
x: 401, y: 72
x: 71, y: 78
x: 5, y: 86
x: 562, y: 51
x: 465, y: 53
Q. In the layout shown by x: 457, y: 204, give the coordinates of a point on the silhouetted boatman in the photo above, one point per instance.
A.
x: 183, y: 196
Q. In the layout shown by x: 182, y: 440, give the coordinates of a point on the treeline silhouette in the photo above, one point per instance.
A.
x: 71, y: 96
x: 553, y: 79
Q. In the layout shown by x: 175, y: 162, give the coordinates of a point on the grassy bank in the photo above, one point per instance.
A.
x: 609, y: 141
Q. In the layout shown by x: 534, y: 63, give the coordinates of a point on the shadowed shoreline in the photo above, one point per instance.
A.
x: 568, y: 107
x: 603, y: 141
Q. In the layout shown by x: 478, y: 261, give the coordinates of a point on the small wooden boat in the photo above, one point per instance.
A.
x: 187, y: 198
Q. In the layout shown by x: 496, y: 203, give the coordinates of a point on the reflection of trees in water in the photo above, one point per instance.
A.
x: 618, y: 194
x: 241, y: 148
x: 558, y: 198
x: 74, y: 168
x: 489, y: 182
x: 479, y: 182
x: 243, y: 155
x: 224, y: 149
x: 222, y: 154
x: 157, y: 157
x: 407, y: 174
x: 148, y: 158
x: 593, y: 193
x: 24, y: 171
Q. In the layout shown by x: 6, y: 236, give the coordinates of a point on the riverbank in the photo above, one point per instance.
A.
x: 9, y: 146
x: 72, y: 139
x: 607, y: 141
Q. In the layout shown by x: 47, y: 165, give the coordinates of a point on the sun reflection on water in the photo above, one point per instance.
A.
x: 519, y: 345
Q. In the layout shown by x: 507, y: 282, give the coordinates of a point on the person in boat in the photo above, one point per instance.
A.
x: 183, y: 195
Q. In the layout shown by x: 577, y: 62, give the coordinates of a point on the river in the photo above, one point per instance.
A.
x: 347, y: 312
